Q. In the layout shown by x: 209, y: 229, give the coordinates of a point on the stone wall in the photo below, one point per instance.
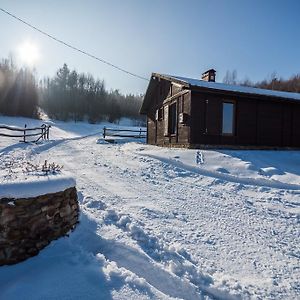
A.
x: 28, y: 225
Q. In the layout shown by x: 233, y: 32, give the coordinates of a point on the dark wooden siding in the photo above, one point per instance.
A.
x: 269, y: 122
x: 184, y: 129
x: 151, y: 128
x: 198, y: 118
x: 287, y: 118
x: 259, y: 123
x: 246, y: 120
x: 295, y: 126
x: 156, y: 128
x: 206, y: 119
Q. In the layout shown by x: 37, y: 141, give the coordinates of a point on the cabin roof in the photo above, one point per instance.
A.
x: 235, y: 88
x: 190, y: 83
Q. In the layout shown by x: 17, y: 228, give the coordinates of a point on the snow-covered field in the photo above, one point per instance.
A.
x: 156, y: 225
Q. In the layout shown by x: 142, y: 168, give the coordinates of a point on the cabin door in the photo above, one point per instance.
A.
x: 212, y: 117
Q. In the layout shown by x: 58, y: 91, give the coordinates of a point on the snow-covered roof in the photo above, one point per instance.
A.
x: 234, y: 88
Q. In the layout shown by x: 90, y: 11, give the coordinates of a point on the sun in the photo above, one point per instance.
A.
x: 29, y: 53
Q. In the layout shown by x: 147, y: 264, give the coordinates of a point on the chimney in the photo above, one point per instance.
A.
x: 209, y: 75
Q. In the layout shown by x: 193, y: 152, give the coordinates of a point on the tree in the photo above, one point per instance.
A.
x: 230, y: 77
x: 76, y: 96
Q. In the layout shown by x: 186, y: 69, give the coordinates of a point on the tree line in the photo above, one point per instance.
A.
x: 18, y: 90
x: 274, y: 82
x: 68, y: 95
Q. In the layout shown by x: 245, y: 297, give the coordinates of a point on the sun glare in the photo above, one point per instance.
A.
x: 29, y: 53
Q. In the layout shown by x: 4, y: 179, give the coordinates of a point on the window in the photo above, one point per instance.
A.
x: 180, y: 104
x: 228, y: 118
x: 159, y: 114
x: 170, y: 91
x: 172, y: 118
x: 166, y: 120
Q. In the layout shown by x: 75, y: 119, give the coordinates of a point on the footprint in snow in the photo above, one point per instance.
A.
x: 222, y: 170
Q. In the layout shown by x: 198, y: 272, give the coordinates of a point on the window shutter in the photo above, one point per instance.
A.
x: 166, y: 120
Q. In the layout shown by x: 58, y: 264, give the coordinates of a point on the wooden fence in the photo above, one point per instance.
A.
x: 141, y: 133
x: 26, y: 134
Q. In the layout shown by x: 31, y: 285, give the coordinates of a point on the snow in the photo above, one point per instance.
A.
x: 33, y: 188
x: 236, y: 88
x: 155, y: 224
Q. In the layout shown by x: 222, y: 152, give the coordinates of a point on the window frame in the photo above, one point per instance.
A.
x: 160, y: 114
x: 233, y: 117
x: 172, y: 125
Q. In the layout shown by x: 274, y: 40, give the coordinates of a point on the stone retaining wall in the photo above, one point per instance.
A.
x: 28, y: 225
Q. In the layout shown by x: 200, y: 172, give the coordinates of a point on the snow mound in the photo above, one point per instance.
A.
x: 270, y: 171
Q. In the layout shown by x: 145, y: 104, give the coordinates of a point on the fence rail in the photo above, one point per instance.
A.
x: 41, y: 132
x: 141, y: 133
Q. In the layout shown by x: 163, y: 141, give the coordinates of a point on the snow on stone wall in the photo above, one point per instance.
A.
x: 35, y: 186
x: 27, y: 225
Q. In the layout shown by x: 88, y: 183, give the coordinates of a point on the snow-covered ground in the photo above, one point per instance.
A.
x: 156, y: 225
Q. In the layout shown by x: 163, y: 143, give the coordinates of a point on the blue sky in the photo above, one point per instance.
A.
x: 183, y: 38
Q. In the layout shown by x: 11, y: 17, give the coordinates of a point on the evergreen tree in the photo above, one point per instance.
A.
x: 69, y: 95
x: 73, y: 96
x: 18, y: 90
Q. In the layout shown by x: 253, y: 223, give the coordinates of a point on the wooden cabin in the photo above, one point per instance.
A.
x: 185, y: 112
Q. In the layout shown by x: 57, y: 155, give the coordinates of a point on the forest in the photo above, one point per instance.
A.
x: 274, y: 82
x: 69, y: 95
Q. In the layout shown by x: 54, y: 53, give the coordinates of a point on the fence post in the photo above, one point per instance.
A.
x: 140, y: 132
x: 24, y: 137
x: 104, y: 132
x: 48, y: 129
x: 43, y: 132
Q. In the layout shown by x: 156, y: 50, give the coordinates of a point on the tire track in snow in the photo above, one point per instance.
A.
x: 117, y: 171
x: 147, y: 243
x: 267, y: 219
x: 144, y: 265
x: 266, y: 212
x: 184, y: 281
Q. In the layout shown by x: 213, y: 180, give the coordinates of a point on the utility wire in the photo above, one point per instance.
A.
x: 72, y: 47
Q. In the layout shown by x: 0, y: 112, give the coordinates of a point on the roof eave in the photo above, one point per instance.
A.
x: 242, y: 94
x: 172, y: 79
x: 146, y: 102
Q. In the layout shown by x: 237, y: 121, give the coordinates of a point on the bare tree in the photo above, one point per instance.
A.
x: 230, y: 77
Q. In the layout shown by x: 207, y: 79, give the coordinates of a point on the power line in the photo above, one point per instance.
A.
x: 72, y: 47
